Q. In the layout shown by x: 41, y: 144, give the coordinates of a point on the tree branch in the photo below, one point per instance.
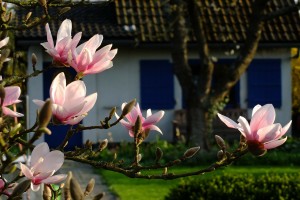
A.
x: 282, y: 12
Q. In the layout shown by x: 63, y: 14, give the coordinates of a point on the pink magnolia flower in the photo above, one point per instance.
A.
x: 43, y: 165
x: 262, y: 133
x: 70, y: 104
x: 147, y: 123
x: 64, y: 43
x: 12, y: 94
x: 2, y: 44
x: 86, y: 60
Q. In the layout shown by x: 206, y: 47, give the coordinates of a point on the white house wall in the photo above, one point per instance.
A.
x: 121, y: 84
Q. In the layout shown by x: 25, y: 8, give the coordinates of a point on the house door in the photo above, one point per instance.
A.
x: 59, y: 131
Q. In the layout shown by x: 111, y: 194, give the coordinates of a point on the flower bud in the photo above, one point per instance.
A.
x: 33, y: 59
x: 89, y: 188
x: 15, y: 129
x: 137, y: 126
x: 27, y: 16
x: 103, y: 144
x: 112, y: 112
x: 45, y: 114
x: 20, y: 189
x: 165, y: 171
x: 159, y: 154
x: 191, y: 152
x: 75, y: 190
x: 139, y: 157
x: 220, y: 154
x: 64, y: 10
x: 47, y: 193
x: 128, y: 107
x: 99, y: 196
x: 220, y: 142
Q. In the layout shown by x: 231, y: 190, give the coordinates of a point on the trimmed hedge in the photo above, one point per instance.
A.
x: 237, y: 187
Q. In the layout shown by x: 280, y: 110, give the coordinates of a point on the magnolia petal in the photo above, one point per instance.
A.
x: 64, y: 30
x: 34, y: 187
x: 246, y: 128
x: 131, y: 133
x: 55, y: 179
x: 101, y: 53
x: 149, y: 113
x: 99, y: 67
x: 90, y: 102
x: 126, y: 124
x: 112, y: 54
x: 268, y: 133
x: 9, y: 112
x: 49, y: 36
x: 228, y: 122
x: 12, y: 93
x: 274, y: 143
x: 256, y: 108
x: 76, y: 40
x: 40, y: 151
x: 263, y: 117
x: 26, y: 171
x: 284, y: 130
x: 75, y: 92
x: 44, y: 175
x: 93, y: 43
x: 57, y: 89
x: 74, y: 120
x: 39, y: 103
x: 154, y: 128
x: 154, y: 118
x: 71, y: 112
x: 4, y: 42
x: 52, y: 162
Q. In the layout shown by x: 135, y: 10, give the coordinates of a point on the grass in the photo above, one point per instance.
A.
x: 140, y: 189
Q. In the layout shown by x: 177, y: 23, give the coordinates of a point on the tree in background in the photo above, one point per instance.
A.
x: 204, y: 99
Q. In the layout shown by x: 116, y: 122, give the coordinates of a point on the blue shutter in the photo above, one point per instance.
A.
x: 156, y: 84
x: 264, y: 82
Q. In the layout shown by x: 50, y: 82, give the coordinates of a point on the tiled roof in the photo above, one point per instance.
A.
x: 148, y: 21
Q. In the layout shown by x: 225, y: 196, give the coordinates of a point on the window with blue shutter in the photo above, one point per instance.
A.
x: 156, y: 84
x: 264, y: 82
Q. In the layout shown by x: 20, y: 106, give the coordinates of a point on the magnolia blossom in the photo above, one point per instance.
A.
x: 262, y: 133
x: 12, y: 94
x: 147, y: 123
x: 69, y: 102
x: 86, y: 60
x: 43, y: 165
x: 64, y: 42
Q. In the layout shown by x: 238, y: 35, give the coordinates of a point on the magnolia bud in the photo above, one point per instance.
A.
x: 67, y: 193
x: 27, y: 16
x: 128, y: 107
x: 45, y: 114
x: 220, y: 154
x: 112, y: 112
x: 75, y: 190
x: 139, y: 157
x: 137, y: 126
x: 159, y: 154
x: 191, y: 152
x: 33, y: 59
x: 99, y: 196
x: 89, y: 187
x: 220, y: 142
x: 47, y: 193
x: 103, y: 144
x: 64, y: 10
x: 20, y: 189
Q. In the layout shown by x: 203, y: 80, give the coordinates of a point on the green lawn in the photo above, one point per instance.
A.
x: 137, y: 189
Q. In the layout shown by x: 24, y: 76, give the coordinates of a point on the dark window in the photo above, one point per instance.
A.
x: 264, y: 82
x: 157, y: 84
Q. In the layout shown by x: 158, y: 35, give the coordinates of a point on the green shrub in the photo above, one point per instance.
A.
x: 236, y: 187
